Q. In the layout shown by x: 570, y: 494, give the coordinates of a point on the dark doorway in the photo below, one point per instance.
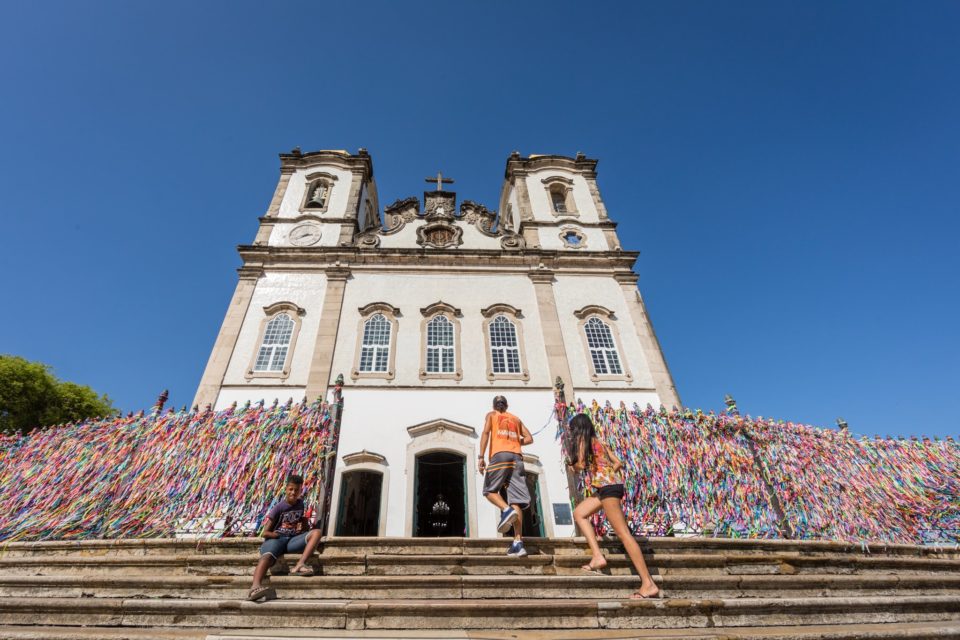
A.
x: 359, y: 506
x: 532, y: 515
x: 440, y: 505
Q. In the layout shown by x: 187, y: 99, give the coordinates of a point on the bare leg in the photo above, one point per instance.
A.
x: 313, y: 539
x: 498, y: 500
x: 614, y: 513
x: 518, y: 524
x: 581, y: 516
x: 266, y: 561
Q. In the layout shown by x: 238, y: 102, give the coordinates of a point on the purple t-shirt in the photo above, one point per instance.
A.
x: 286, y: 517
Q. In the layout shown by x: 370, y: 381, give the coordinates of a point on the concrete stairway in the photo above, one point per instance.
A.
x: 712, y: 588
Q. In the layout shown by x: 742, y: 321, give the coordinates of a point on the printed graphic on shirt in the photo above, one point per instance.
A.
x: 287, y: 517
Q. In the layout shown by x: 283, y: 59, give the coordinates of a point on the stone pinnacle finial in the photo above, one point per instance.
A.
x: 731, y: 405
x: 161, y: 400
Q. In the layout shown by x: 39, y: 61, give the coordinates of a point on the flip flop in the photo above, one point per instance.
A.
x: 589, y: 568
x: 303, y: 571
x: 263, y: 593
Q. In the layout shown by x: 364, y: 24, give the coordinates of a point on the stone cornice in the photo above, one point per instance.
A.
x: 518, y: 165
x: 277, y: 307
x: 592, y: 309
x: 441, y: 306
x: 500, y: 307
x: 307, y: 217
x: 360, y: 163
x: 378, y: 306
x: 566, y: 219
x: 440, y: 425
x: 337, y: 272
x: 255, y: 256
x: 364, y: 456
x: 541, y: 276
x: 249, y: 272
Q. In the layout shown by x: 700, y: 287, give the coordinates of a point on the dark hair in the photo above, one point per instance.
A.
x: 498, y: 399
x: 581, y: 435
x: 295, y: 479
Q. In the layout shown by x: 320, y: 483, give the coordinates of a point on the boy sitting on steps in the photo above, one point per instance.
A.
x: 285, y: 529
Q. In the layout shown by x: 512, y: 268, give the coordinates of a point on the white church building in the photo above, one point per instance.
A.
x: 429, y: 310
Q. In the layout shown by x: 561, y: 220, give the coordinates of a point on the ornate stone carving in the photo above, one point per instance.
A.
x: 369, y: 240
x: 478, y: 215
x: 439, y: 235
x: 399, y: 213
x: 439, y: 205
x: 512, y: 241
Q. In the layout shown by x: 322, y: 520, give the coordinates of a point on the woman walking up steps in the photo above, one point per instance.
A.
x: 603, y: 478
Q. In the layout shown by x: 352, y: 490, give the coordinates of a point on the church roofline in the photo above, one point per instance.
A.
x: 297, y: 159
x: 534, y: 162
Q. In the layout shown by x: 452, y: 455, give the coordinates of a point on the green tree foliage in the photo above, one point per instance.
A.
x: 31, y: 396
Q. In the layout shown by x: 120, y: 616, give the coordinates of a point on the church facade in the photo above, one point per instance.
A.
x: 429, y: 309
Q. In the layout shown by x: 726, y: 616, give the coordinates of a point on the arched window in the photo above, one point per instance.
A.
x: 441, y: 354
x: 375, y: 348
x: 375, y: 355
x: 317, y: 195
x: 317, y: 190
x: 440, y: 342
x: 558, y: 198
x: 504, y: 347
x: 275, y: 345
x: 603, y: 349
x: 503, y: 334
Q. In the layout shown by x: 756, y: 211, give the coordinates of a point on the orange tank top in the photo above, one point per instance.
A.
x: 505, y: 433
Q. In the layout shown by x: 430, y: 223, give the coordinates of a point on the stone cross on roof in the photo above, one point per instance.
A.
x: 440, y: 180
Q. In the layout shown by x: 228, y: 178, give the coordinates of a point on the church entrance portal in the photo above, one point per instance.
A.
x: 440, y: 496
x: 359, y: 505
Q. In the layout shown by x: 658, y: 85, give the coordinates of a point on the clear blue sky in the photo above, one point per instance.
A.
x: 789, y: 171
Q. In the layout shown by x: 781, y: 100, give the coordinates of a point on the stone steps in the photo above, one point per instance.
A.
x: 220, y: 564
x: 479, y: 614
x: 445, y: 584
x: 895, y: 631
x: 443, y: 546
x: 474, y: 586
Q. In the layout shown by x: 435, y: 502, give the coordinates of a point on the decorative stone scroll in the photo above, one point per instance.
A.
x: 478, y: 215
x: 399, y: 213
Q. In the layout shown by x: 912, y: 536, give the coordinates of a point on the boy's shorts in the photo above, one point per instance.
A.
x: 276, y: 547
x: 506, y: 468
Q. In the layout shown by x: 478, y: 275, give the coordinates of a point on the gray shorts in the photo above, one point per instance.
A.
x: 506, y: 469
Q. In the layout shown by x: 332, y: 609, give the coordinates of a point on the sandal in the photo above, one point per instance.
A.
x: 262, y: 593
x: 303, y: 570
x: 589, y: 568
x: 636, y: 595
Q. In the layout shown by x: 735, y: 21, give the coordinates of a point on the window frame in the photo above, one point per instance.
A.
x: 514, y: 315
x: 570, y: 229
x: 563, y: 186
x: 296, y: 314
x: 311, y: 182
x: 607, y: 317
x: 453, y: 315
x: 391, y: 313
